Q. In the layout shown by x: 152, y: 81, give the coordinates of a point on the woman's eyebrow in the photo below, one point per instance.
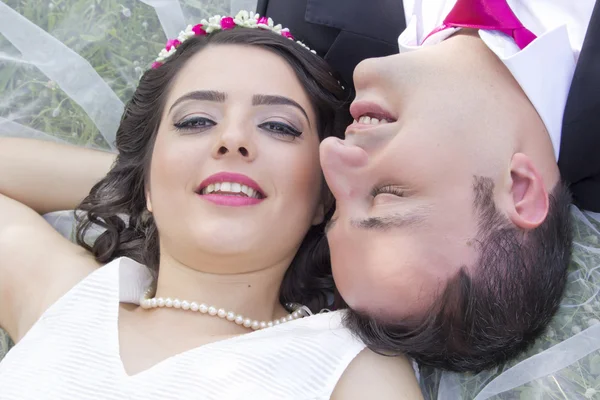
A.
x: 270, y: 100
x: 206, y: 95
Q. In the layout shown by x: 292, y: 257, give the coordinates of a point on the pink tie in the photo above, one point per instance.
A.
x: 491, y: 15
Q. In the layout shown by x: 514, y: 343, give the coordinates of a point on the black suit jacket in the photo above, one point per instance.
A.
x: 346, y: 32
x: 579, y: 159
x: 343, y: 32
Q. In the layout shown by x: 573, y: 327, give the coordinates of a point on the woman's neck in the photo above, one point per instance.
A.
x: 254, y: 294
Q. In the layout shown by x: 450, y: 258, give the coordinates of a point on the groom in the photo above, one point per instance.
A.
x: 462, y: 195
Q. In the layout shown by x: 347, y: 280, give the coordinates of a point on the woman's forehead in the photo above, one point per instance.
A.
x: 237, y: 69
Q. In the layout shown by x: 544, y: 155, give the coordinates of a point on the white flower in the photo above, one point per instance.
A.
x: 270, y: 22
x: 164, y: 54
x: 590, y: 393
x: 242, y: 15
x: 185, y: 35
x: 588, y: 308
x: 125, y: 11
x: 576, y: 329
x: 145, y: 25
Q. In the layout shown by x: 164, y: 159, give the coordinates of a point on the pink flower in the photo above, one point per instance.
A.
x: 198, y: 30
x: 156, y: 64
x: 172, y: 43
x: 263, y: 20
x: 227, y: 23
x: 287, y: 34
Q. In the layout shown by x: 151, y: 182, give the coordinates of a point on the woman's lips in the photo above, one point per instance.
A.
x: 231, y: 189
x: 230, y: 200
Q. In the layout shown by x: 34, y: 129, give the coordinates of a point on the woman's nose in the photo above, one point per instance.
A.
x: 235, y: 142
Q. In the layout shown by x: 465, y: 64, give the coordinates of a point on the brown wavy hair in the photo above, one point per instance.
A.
x: 118, y: 205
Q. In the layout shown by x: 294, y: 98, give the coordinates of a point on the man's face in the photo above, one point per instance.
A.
x: 405, y: 219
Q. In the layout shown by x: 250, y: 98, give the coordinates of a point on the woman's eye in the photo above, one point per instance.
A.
x: 281, y: 130
x: 194, y: 123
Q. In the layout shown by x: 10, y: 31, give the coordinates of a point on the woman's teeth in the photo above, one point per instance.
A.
x: 231, y: 188
x: 370, y: 121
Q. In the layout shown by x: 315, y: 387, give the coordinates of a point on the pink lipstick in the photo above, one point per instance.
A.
x: 231, y: 189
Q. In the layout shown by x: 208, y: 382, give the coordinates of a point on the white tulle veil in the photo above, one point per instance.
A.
x: 68, y: 66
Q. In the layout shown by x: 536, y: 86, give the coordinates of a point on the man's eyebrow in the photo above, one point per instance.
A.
x: 270, y: 100
x: 392, y: 221
x: 206, y: 95
x: 330, y: 224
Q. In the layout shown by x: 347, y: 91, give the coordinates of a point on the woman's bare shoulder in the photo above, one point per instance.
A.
x: 371, y: 375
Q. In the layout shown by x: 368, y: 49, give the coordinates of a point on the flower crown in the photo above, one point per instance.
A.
x: 243, y: 19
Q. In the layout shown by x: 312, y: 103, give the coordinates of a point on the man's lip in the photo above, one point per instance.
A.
x: 360, y: 108
x: 231, y: 177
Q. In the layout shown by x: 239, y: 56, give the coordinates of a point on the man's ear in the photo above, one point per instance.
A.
x: 530, y: 202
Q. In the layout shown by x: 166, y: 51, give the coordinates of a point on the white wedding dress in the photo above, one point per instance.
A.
x: 73, y: 352
x: 66, y: 69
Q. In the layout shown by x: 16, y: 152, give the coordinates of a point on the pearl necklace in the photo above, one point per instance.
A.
x: 148, y: 301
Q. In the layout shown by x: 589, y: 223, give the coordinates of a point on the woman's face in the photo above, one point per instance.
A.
x: 235, y: 170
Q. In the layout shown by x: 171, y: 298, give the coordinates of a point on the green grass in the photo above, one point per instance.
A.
x: 119, y: 41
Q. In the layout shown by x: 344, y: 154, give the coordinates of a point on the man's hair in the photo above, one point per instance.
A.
x: 491, y: 313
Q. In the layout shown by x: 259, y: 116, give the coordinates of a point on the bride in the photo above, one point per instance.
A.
x: 209, y: 288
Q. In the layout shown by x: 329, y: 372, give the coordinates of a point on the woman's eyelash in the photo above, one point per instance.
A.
x: 281, y: 129
x: 389, y: 189
x: 275, y: 128
x: 194, y: 123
